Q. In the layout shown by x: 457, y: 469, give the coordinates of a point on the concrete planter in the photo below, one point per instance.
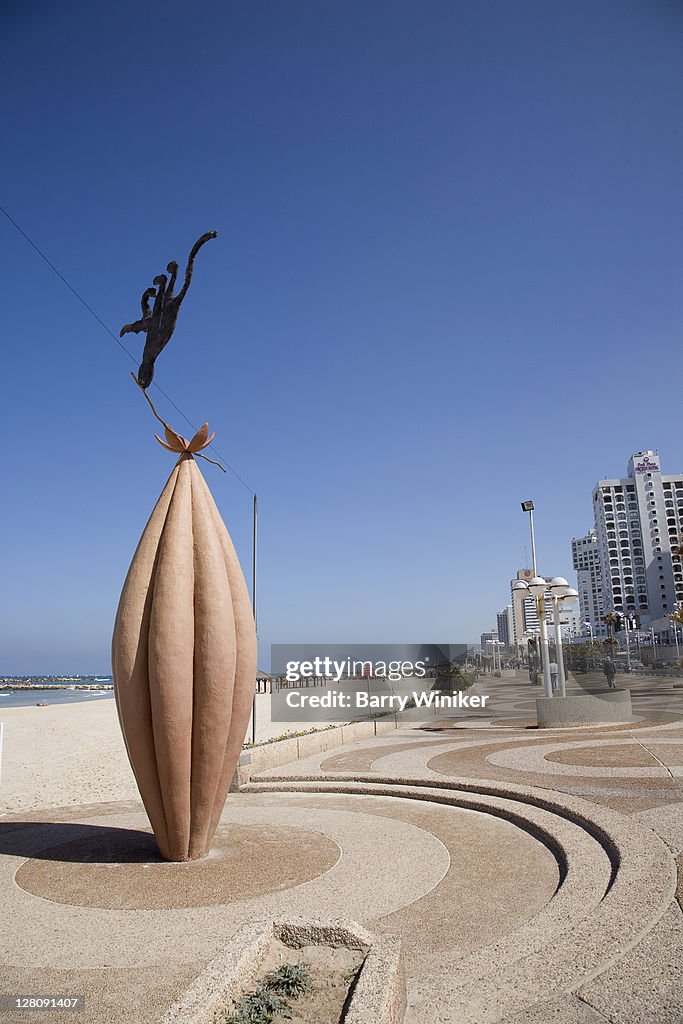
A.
x: 585, y: 709
x: 379, y: 994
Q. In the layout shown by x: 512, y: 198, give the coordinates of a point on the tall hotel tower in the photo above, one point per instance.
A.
x: 586, y: 559
x: 638, y: 522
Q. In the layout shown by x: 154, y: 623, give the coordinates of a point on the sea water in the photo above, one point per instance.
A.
x: 51, y: 694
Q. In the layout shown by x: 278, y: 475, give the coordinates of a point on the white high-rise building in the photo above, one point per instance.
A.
x: 571, y: 621
x: 524, y: 617
x: 638, y: 520
x: 488, y: 638
x: 506, y: 626
x: 586, y: 560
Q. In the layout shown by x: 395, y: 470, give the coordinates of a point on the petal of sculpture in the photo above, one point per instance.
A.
x: 184, y: 664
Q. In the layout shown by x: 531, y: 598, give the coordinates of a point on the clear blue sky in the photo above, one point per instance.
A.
x: 448, y: 278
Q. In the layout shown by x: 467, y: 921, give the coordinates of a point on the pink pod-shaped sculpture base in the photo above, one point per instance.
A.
x: 184, y: 664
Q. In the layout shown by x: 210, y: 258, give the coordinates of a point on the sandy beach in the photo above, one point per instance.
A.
x: 72, y: 754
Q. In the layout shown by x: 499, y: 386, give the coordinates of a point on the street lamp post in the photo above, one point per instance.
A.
x: 590, y: 630
x: 493, y: 655
x: 626, y: 620
x: 628, y: 644
x: 536, y: 588
x: 496, y: 644
x: 571, y: 639
x: 532, y: 636
x: 528, y: 506
x: 560, y: 591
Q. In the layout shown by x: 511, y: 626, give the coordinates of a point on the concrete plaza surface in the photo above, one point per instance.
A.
x: 531, y: 875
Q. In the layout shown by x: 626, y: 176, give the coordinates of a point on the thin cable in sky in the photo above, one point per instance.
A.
x: 117, y: 340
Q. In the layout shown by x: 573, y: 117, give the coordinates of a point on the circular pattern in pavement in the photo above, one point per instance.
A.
x: 535, y: 759
x: 120, y: 869
x: 617, y: 755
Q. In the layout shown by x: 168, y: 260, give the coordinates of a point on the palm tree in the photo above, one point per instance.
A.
x: 676, y: 616
x: 611, y: 620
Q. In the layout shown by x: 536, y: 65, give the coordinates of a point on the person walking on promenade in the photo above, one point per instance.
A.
x: 610, y: 672
x: 554, y: 672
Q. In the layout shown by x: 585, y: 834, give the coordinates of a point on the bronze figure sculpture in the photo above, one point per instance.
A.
x: 158, y: 322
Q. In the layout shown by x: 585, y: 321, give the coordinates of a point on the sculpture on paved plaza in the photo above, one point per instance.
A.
x: 184, y: 643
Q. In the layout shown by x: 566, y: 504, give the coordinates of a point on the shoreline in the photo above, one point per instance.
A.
x: 61, y: 685
x: 73, y: 753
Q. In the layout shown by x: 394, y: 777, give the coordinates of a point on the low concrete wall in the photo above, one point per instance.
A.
x: 272, y: 755
x: 379, y: 995
x: 380, y: 992
x: 585, y: 709
x: 383, y: 725
x: 354, y: 731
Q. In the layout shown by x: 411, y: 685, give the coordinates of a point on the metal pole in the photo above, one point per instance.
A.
x: 678, y: 653
x: 559, y: 657
x: 545, y: 655
x: 533, y: 541
x: 253, y: 564
x: 628, y: 646
x: 253, y: 607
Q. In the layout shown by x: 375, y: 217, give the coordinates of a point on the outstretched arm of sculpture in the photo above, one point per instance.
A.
x: 160, y: 301
x: 143, y: 324
x: 172, y: 269
x: 144, y: 302
x: 190, y: 263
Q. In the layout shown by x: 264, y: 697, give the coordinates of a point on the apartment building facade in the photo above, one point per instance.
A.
x: 639, y: 526
x: 587, y: 563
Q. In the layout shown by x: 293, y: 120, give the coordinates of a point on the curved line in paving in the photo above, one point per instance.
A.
x: 369, y: 844
x: 519, y: 873
x: 529, y: 729
x: 364, y: 757
x: 596, y: 925
x: 584, y: 866
x: 533, y: 759
x: 411, y: 756
x: 312, y: 762
x: 120, y: 869
x: 414, y: 761
x: 527, y: 726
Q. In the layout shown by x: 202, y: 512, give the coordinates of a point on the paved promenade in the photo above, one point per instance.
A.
x: 532, y: 876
